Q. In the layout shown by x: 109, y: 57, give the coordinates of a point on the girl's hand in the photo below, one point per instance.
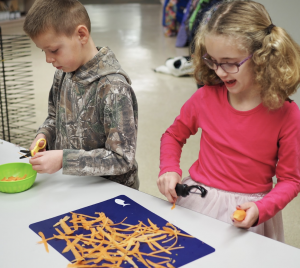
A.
x: 47, y: 162
x: 166, y: 184
x: 252, y: 214
x: 39, y: 136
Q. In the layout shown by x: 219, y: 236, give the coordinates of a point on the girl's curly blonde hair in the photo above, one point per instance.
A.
x: 276, y: 56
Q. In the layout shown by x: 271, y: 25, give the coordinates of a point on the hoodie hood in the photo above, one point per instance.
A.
x: 104, y: 63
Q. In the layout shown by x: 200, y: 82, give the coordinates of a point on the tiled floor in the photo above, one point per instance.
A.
x: 135, y: 34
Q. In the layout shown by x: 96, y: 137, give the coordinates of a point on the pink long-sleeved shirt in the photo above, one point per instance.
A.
x: 240, y: 151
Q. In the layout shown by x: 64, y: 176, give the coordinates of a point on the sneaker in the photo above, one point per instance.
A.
x: 178, y: 66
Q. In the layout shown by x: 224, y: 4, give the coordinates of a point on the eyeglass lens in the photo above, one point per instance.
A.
x: 227, y: 67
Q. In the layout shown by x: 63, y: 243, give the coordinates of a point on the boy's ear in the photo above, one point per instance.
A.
x: 82, y: 33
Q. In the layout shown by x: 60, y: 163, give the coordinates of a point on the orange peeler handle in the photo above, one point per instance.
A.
x: 37, y: 147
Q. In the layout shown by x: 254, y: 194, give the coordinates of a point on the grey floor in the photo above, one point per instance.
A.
x: 134, y: 33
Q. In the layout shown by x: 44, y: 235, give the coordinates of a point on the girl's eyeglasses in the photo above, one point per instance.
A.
x: 231, y: 68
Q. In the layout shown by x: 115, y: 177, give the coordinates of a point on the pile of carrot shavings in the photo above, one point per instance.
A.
x: 12, y: 178
x: 114, y: 244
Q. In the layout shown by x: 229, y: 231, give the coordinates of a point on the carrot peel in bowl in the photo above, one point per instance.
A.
x: 12, y: 178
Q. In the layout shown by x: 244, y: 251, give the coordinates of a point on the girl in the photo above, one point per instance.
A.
x: 250, y: 127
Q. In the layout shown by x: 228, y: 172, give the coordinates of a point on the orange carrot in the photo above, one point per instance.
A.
x: 12, y: 178
x: 112, y: 245
x: 44, y: 241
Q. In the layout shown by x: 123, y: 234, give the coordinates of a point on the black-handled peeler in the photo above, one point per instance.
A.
x: 184, y: 190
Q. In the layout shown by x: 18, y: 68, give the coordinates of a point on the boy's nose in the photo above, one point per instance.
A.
x: 49, y: 59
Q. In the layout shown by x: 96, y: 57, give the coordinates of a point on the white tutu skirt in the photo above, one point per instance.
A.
x: 221, y: 204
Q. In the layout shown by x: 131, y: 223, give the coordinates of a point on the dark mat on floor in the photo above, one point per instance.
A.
x: 93, y: 2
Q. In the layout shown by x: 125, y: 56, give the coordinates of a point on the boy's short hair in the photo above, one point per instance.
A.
x: 63, y: 16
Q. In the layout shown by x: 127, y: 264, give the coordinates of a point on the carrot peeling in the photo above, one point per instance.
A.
x: 103, y: 243
x: 12, y: 178
x: 44, y: 241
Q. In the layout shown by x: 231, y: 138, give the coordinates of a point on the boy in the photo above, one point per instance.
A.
x: 91, y: 128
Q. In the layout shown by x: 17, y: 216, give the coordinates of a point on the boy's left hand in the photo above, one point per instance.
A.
x: 47, y: 162
x: 252, y: 214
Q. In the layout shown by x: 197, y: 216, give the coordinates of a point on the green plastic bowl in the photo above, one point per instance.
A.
x: 16, y: 170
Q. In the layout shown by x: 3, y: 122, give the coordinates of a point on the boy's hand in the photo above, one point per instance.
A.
x: 39, y: 136
x: 166, y: 184
x: 252, y: 214
x: 47, y: 162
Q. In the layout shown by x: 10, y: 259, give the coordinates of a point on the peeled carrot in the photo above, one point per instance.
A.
x: 239, y: 215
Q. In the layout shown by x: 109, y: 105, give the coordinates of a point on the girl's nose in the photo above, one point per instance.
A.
x: 220, y: 72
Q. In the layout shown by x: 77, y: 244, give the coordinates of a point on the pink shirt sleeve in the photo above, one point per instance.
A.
x: 206, y: 106
x: 172, y: 141
x: 287, y: 170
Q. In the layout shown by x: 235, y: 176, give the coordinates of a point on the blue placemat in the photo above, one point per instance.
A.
x: 193, y: 248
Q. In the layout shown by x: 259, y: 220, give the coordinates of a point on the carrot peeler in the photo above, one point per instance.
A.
x: 35, y: 150
x: 184, y: 190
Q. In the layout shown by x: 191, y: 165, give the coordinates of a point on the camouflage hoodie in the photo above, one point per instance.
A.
x: 93, y: 117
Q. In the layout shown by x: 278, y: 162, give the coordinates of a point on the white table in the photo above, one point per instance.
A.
x: 55, y: 194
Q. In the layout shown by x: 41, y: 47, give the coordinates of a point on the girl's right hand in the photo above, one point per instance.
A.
x: 166, y: 184
x: 39, y: 136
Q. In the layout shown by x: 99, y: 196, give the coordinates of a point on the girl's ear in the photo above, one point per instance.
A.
x: 82, y: 33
